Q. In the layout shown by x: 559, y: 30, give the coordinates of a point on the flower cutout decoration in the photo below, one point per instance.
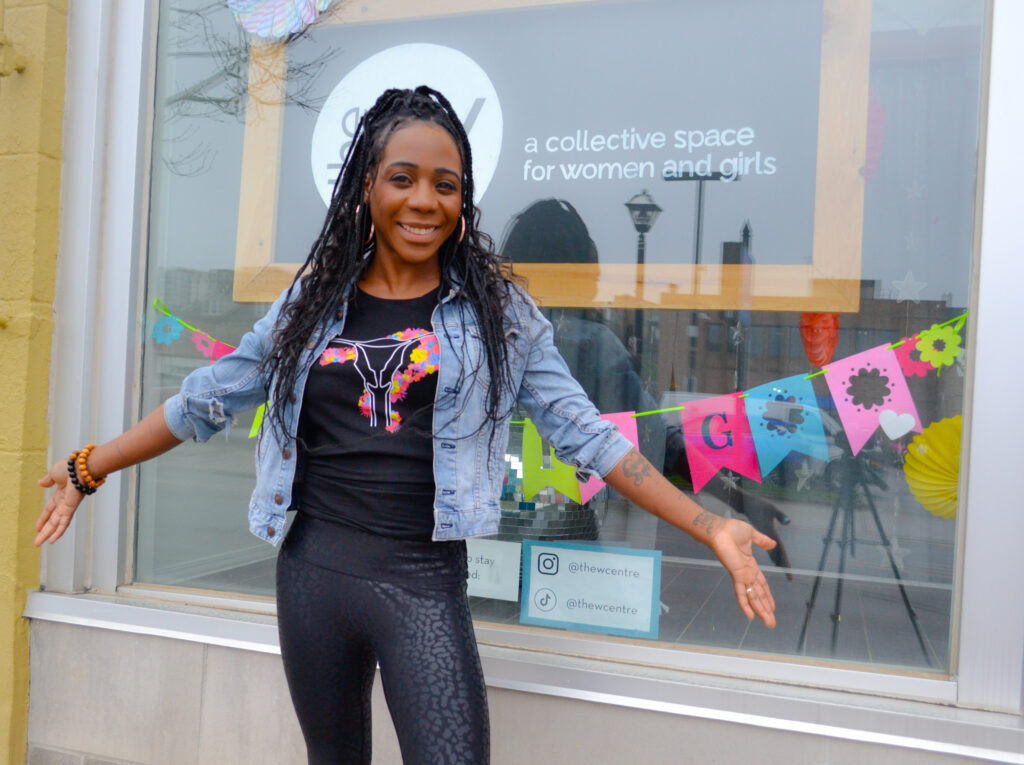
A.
x: 910, y: 358
x: 939, y: 346
x: 166, y: 330
x: 868, y: 387
x: 203, y: 343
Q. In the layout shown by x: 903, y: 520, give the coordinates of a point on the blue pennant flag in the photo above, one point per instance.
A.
x: 784, y: 417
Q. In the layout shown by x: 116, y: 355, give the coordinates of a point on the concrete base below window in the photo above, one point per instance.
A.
x: 104, y: 697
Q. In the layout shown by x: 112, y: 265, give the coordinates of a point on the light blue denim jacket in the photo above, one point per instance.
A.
x: 468, y: 473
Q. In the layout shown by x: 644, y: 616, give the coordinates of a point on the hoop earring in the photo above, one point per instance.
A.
x: 462, y: 233
x: 369, y: 237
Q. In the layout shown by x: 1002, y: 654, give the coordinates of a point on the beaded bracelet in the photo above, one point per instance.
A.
x: 83, y: 472
x: 73, y: 475
x: 79, y: 474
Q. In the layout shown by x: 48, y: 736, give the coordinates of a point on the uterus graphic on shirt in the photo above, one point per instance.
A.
x: 388, y: 366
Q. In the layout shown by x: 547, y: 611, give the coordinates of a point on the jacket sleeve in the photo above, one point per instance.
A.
x: 211, y: 396
x: 557, y: 404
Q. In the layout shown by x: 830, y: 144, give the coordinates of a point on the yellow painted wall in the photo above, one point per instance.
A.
x: 34, y: 35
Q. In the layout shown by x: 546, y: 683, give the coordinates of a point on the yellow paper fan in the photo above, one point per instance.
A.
x: 932, y: 466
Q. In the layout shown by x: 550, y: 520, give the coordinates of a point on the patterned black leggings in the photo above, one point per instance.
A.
x: 335, y: 627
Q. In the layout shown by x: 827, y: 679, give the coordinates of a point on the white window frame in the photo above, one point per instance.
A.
x: 95, y: 394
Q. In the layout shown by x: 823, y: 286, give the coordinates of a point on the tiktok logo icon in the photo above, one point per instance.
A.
x: 544, y: 599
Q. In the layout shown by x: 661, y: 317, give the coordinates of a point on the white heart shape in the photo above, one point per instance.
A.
x: 894, y: 424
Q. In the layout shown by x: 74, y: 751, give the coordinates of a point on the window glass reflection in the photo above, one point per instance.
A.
x: 867, y: 533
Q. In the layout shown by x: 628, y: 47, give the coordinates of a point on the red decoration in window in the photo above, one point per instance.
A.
x: 820, y: 333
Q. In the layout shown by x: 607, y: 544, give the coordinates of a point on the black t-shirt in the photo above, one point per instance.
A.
x: 366, y: 452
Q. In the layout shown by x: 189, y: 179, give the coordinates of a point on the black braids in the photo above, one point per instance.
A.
x: 340, y: 255
x: 478, y: 249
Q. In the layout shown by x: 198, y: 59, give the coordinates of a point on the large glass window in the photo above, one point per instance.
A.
x: 756, y: 257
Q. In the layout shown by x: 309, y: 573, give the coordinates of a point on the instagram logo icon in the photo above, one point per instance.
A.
x: 547, y: 563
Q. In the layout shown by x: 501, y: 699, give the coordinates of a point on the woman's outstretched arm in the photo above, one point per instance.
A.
x: 149, y: 438
x: 730, y: 540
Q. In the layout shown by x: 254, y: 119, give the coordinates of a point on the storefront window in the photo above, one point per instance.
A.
x: 750, y: 224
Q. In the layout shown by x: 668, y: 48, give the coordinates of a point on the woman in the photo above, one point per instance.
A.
x: 388, y: 440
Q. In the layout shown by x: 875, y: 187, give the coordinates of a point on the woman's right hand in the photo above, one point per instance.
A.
x: 59, y: 508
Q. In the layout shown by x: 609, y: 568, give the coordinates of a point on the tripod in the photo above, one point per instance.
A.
x: 855, y: 473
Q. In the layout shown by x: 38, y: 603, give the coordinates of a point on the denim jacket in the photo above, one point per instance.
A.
x: 468, y: 473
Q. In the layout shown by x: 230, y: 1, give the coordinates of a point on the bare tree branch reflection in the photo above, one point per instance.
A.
x: 234, y: 78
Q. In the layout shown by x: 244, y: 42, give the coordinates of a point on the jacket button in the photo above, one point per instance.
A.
x: 311, y: 344
x: 339, y: 315
x: 291, y: 397
x: 270, y: 531
x: 278, y: 499
x: 287, y: 454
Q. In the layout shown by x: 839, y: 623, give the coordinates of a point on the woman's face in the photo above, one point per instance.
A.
x: 415, y: 195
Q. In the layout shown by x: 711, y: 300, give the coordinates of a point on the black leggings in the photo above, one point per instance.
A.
x: 335, y: 627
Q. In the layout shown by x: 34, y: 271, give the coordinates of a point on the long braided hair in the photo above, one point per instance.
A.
x: 341, y: 254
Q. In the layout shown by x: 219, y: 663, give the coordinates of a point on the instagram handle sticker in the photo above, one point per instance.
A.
x: 591, y: 588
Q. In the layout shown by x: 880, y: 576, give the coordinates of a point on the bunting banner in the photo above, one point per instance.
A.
x: 784, y: 417
x: 169, y: 328
x: 870, y: 391
x: 749, y: 433
x: 717, y: 436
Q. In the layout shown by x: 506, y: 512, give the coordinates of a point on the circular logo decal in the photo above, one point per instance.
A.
x: 447, y: 70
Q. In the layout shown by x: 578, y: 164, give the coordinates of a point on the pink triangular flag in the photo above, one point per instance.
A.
x: 220, y: 349
x: 717, y: 435
x: 869, y: 390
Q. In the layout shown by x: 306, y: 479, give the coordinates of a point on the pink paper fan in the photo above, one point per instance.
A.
x: 276, y: 18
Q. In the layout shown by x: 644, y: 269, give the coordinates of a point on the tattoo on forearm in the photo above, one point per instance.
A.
x: 707, y: 520
x: 636, y: 466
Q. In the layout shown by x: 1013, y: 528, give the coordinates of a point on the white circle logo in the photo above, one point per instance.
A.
x: 447, y: 70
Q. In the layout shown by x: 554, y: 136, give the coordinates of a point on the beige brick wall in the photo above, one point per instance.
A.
x: 31, y: 108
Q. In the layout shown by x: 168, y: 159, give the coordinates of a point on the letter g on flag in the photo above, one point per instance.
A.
x: 718, y: 436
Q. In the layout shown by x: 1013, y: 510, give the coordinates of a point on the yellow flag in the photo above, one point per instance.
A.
x: 559, y: 476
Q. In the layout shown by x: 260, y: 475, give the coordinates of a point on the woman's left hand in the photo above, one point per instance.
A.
x: 730, y: 540
x: 732, y: 543
x: 59, y: 508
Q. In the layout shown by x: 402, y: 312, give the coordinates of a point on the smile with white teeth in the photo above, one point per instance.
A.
x: 418, y: 229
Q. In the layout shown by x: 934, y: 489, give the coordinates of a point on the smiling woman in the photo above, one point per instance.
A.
x: 415, y: 201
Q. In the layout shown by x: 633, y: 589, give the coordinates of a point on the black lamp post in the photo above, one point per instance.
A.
x: 643, y: 211
x: 694, y: 329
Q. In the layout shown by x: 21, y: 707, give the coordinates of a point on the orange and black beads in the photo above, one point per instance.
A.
x: 79, y: 473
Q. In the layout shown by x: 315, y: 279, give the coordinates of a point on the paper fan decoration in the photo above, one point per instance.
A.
x: 276, y: 18
x: 932, y: 466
